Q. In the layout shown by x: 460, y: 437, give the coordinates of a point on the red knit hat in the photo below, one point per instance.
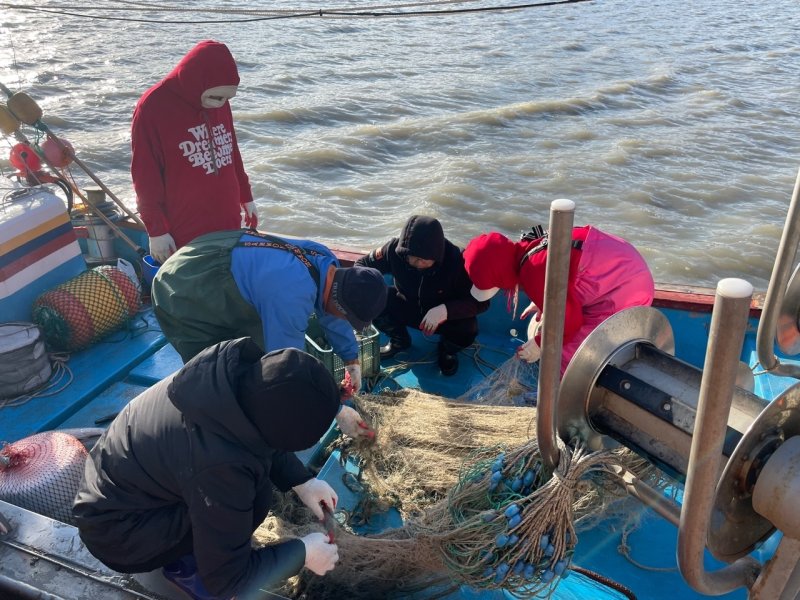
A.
x: 491, y: 261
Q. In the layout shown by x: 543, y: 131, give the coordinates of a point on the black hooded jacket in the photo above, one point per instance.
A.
x: 446, y: 282
x: 183, y: 457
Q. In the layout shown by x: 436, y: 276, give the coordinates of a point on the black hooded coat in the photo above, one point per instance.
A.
x: 185, y: 467
x: 446, y: 282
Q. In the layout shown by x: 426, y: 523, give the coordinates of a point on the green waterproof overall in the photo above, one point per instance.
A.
x: 196, y: 300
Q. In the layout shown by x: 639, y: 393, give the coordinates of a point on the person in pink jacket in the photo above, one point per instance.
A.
x: 186, y: 167
x: 606, y: 275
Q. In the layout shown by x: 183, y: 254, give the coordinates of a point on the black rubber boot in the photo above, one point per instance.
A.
x: 399, y: 340
x: 448, y: 358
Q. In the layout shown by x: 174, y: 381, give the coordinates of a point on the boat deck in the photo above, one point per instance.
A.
x: 99, y: 382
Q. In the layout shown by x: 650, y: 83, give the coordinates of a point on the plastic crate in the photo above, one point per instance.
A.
x: 369, y: 350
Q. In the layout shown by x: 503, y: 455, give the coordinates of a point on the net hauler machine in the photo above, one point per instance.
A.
x: 738, y: 455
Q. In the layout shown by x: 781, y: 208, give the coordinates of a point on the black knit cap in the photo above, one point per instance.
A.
x: 359, y: 293
x: 290, y: 397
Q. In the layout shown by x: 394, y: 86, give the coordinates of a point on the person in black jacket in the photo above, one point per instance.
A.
x: 431, y: 291
x: 184, y: 474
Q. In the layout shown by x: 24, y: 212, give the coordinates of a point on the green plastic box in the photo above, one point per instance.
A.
x: 369, y: 350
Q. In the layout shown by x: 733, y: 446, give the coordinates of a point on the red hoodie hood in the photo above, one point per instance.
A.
x: 492, y: 260
x: 209, y: 64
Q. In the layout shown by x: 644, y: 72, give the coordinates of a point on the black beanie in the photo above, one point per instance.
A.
x: 359, y: 293
x: 290, y: 397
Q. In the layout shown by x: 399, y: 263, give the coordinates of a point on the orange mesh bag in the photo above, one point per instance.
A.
x: 80, y: 311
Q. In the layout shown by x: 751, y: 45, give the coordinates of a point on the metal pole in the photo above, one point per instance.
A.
x: 728, y: 322
x: 787, y: 249
x: 655, y: 499
x: 559, y: 247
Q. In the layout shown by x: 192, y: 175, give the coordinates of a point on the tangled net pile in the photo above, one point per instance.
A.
x: 513, y: 384
x: 476, y: 512
x: 422, y: 443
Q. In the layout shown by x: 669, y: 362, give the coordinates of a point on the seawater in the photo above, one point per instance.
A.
x: 673, y: 124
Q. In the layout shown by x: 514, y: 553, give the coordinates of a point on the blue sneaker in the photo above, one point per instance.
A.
x: 183, y: 573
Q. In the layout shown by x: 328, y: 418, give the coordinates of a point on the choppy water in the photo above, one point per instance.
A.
x: 674, y: 124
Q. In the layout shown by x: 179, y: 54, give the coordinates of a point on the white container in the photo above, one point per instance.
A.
x: 38, y: 250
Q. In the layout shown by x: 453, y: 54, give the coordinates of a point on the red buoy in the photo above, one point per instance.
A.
x: 56, y: 155
x: 24, y: 159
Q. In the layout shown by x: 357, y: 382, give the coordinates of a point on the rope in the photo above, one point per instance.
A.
x: 625, y: 550
x: 60, y: 379
x: 331, y: 13
x: 134, y: 6
x: 605, y: 581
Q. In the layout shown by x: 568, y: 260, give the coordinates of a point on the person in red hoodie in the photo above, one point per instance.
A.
x: 186, y: 167
x: 606, y: 275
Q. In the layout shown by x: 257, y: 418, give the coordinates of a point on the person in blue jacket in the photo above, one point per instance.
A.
x: 185, y: 473
x: 238, y: 283
x: 230, y: 284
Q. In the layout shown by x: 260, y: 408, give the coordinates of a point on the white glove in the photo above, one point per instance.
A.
x: 162, y: 247
x: 532, y: 309
x: 352, y: 425
x: 535, y: 326
x: 321, y: 555
x: 250, y: 215
x: 529, y: 351
x: 313, y: 493
x: 433, y: 318
x: 355, y: 375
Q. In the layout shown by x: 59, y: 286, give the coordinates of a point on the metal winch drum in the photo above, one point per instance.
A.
x: 624, y: 386
x: 736, y: 454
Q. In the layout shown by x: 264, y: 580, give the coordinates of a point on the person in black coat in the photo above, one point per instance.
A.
x: 431, y: 291
x: 184, y: 474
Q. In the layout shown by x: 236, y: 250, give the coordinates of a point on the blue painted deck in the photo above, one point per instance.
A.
x: 90, y: 375
x: 112, y: 372
x: 653, y: 544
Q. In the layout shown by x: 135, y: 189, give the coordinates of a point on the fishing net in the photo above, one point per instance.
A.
x: 514, y: 383
x: 424, y: 440
x: 479, y: 508
x: 42, y: 473
x: 83, y: 309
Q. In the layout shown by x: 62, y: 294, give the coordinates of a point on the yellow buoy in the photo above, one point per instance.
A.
x: 8, y: 122
x: 24, y: 108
